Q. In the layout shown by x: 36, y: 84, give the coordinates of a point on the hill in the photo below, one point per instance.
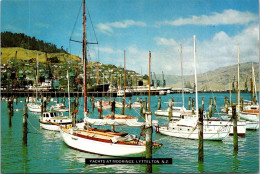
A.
x: 9, y: 39
x: 218, y: 79
x: 25, y: 54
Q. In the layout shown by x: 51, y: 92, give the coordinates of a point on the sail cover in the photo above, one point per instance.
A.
x: 115, y: 122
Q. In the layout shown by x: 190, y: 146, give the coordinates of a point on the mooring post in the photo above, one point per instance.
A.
x: 193, y: 106
x: 141, y: 107
x: 72, y: 113
x: 25, y: 117
x: 9, y: 112
x: 72, y: 106
x: 159, y: 103
x: 170, y: 110
x: 148, y: 137
x: 189, y: 103
x: 100, y: 109
x: 123, y: 108
x: 226, y: 105
x: 172, y: 101
x: 113, y: 109
x: 64, y: 99
x: 202, y: 103
x: 145, y: 104
x: 41, y: 104
x: 93, y: 103
x: 200, y: 126
x: 241, y: 104
x: 235, y: 137
x: 210, y: 107
x: 44, y: 106
x: 215, y: 103
x: 12, y: 106
x: 130, y: 102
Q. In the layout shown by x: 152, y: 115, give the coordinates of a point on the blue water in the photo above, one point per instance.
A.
x: 46, y: 153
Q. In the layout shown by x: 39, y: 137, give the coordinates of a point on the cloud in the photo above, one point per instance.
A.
x: 218, y: 51
x: 42, y: 25
x: 165, y: 42
x: 227, y: 17
x: 108, y: 28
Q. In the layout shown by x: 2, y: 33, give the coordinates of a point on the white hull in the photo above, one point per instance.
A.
x: 249, y: 117
x: 166, y: 113
x: 101, y: 148
x: 241, y: 126
x: 53, y: 127
x: 193, y: 134
x: 250, y: 125
x: 33, y: 107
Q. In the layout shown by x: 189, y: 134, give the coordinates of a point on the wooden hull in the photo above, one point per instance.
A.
x: 101, y: 147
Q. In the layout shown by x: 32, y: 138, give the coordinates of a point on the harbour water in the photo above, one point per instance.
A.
x: 46, y: 153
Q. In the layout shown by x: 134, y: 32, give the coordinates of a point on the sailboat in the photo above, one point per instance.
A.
x: 51, y: 120
x: 101, y: 141
x: 34, y: 106
x: 251, y: 112
x: 187, y: 127
x: 176, y: 111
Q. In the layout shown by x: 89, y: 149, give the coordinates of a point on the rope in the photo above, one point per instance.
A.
x: 76, y: 21
x: 34, y: 127
x: 91, y: 23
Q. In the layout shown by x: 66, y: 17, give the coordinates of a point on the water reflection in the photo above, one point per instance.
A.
x: 200, y: 167
x: 235, y: 161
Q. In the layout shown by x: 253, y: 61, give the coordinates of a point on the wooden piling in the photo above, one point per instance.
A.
x: 41, y: 104
x: 200, y: 126
x: 193, y: 106
x: 93, y: 103
x: 189, y: 103
x: 145, y: 104
x: 100, y: 109
x: 159, y: 103
x: 215, y: 103
x: 9, y: 113
x: 241, y: 104
x: 210, y: 107
x: 113, y: 109
x: 44, y: 106
x: 123, y: 108
x: 202, y: 103
x: 226, y: 104
x: 235, y: 137
x: 148, y: 138
x: 130, y: 102
x: 141, y: 107
x: 170, y: 110
x: 25, y: 131
x: 172, y: 101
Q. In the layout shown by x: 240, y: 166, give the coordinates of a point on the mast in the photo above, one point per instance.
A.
x: 124, y: 79
x: 149, y: 81
x: 36, y: 77
x: 84, y: 48
x: 182, y: 76
x: 68, y: 89
x: 253, y: 84
x: 238, y: 89
x: 196, y: 88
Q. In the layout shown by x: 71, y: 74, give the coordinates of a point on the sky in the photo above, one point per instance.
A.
x: 221, y: 27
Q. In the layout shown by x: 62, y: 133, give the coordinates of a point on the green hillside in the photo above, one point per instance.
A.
x: 25, y: 54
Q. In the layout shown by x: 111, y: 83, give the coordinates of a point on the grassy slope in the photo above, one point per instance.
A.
x: 8, y: 53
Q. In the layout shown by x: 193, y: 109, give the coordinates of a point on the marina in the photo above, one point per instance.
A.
x: 46, y: 152
x: 131, y: 89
